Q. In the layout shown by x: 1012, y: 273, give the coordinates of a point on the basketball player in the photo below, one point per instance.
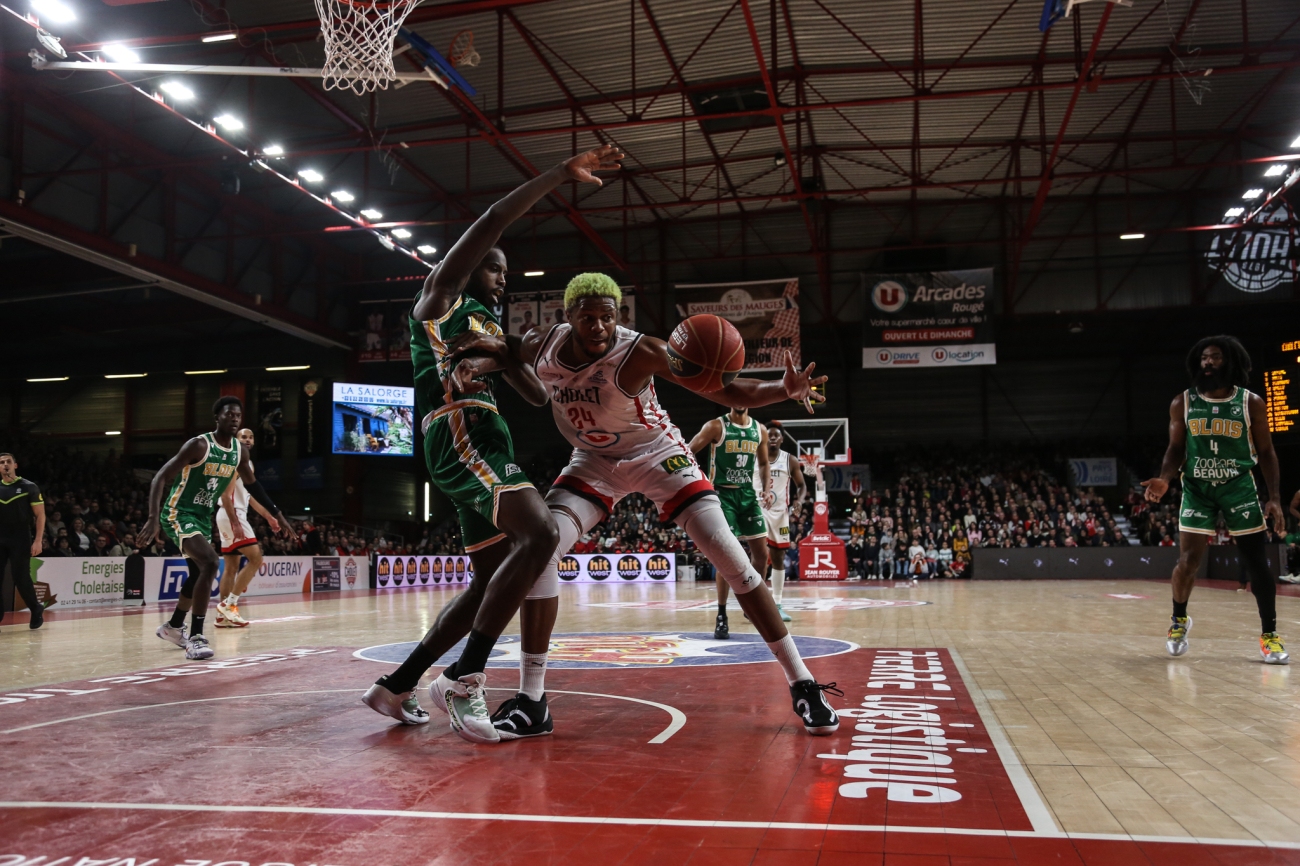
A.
x: 783, y: 467
x: 1218, y: 431
x: 506, y: 527
x: 737, y: 459
x: 238, y: 541
x: 194, y: 481
x: 601, y: 384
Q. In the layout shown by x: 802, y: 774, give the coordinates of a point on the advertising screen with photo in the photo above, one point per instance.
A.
x: 373, y: 419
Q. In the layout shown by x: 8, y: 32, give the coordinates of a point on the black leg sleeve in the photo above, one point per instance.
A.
x: 1262, y: 584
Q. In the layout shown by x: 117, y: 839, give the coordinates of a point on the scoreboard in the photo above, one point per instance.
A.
x: 1282, y: 392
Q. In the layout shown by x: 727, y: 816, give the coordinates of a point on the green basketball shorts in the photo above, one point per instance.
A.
x: 743, y: 513
x: 471, y: 458
x: 1237, y: 500
x: 179, y: 525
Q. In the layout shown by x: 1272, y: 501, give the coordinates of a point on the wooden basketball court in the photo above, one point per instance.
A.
x: 982, y: 723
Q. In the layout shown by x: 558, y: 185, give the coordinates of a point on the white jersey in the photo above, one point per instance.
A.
x: 779, y: 471
x: 592, y: 411
x: 240, y: 493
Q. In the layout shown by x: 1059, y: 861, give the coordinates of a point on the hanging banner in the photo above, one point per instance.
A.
x: 552, y: 309
x: 267, y: 426
x: 374, y: 339
x: 765, y: 312
x: 929, y: 319
x: 522, y: 317
x: 313, y: 432
x: 627, y: 312
x: 1259, y: 257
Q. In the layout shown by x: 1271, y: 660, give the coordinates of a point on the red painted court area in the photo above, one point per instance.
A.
x: 272, y: 759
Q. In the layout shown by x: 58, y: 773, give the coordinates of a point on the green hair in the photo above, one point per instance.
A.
x: 591, y: 286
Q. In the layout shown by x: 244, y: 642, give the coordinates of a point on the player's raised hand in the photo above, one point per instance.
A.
x: 799, y: 385
x: 607, y: 157
x: 1156, y: 488
x: 464, y: 377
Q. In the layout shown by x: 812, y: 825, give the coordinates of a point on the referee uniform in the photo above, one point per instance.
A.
x: 17, y: 500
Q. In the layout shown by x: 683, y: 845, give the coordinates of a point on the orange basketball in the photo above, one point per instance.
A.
x: 706, y: 353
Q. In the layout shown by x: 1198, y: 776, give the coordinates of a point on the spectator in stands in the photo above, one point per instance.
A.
x: 98, y: 547
x: 855, y: 553
x: 78, y: 539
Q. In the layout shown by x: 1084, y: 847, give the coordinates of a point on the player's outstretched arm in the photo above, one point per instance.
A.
x: 444, y: 286
x: 710, y: 434
x: 1268, y: 465
x: 477, y: 354
x: 191, y: 452
x: 651, y: 359
x: 1157, y: 487
x: 255, y: 490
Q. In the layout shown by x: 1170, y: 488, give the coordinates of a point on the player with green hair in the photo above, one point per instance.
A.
x: 600, y: 379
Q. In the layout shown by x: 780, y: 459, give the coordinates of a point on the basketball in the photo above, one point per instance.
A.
x: 706, y: 353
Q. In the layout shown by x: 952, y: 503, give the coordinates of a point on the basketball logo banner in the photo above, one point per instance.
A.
x: 929, y: 319
x: 765, y: 312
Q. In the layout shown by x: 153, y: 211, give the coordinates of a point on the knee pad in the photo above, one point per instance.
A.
x: 547, y: 584
x: 705, y: 524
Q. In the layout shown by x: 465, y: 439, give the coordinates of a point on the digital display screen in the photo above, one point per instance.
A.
x: 373, y: 419
x: 1282, y: 396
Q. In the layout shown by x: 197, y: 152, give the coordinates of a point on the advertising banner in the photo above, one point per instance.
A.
x: 552, y: 309
x: 314, y: 432
x: 522, y: 316
x: 1260, y: 257
x: 269, y: 420
x: 373, y: 419
x: 66, y: 583
x: 395, y: 572
x: 766, y: 313
x: 929, y: 319
x: 1094, y: 471
x: 618, y: 568
x: 374, y: 337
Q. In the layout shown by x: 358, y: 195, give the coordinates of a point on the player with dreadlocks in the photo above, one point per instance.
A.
x: 1218, y: 432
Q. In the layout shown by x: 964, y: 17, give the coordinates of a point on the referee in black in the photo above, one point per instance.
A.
x: 20, y: 499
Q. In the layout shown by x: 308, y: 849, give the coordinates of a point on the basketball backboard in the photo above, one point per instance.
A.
x: 826, y: 438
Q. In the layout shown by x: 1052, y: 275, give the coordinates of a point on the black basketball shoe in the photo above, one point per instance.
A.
x: 810, y: 703
x: 521, y: 717
x: 722, y: 631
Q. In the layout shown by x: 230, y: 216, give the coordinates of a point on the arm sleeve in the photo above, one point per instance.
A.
x: 256, y: 491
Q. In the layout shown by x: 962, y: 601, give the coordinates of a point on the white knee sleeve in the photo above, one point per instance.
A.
x: 707, y: 527
x: 547, y: 584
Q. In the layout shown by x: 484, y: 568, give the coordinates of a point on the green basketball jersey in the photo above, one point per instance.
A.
x: 429, y: 354
x: 198, y: 488
x: 732, y: 461
x: 1219, y: 445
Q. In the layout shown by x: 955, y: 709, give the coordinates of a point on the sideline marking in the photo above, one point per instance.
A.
x: 677, y: 716
x: 640, y: 822
x: 1030, y: 800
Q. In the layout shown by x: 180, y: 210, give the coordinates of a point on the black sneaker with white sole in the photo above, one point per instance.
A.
x: 809, y: 699
x: 721, y: 631
x: 521, y: 717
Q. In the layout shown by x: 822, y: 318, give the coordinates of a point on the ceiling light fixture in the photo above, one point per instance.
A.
x: 371, y: 214
x: 176, y: 90
x: 311, y: 175
x: 1296, y: 143
x: 112, y: 432
x: 125, y: 375
x: 342, y: 195
x: 1233, y: 212
x: 1252, y: 193
x: 220, y: 37
x: 426, y: 249
x: 1132, y: 236
x: 228, y: 122
x: 50, y: 379
x: 203, y: 372
x: 401, y: 233
x: 55, y: 10
x: 1275, y: 170
x: 283, y: 369
x: 273, y: 150
x: 119, y: 54
x: 534, y: 273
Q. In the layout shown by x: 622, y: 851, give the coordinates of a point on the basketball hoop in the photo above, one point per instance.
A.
x: 461, y: 52
x: 359, y: 38
x: 812, y: 465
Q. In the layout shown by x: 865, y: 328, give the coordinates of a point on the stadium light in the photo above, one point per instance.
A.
x: 1296, y: 143
x: 220, y: 37
x: 50, y: 379
x: 371, y: 214
x: 1132, y: 236
x: 125, y: 375
x: 1233, y: 212
x: 228, y: 122
x: 1252, y: 193
x: 112, y: 432
x: 1275, y: 170
x: 203, y: 372
x: 119, y: 53
x: 342, y: 195
x: 55, y: 10
x: 311, y: 175
x: 401, y: 233
x: 273, y: 150
x: 284, y: 369
x: 176, y: 90
x: 534, y: 273
x: 426, y: 249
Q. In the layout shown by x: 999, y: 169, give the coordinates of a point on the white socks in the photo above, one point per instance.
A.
x: 778, y: 584
x: 232, y: 599
x: 788, y: 655
x: 532, y: 674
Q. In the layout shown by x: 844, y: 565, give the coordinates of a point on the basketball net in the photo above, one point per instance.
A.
x: 359, y: 38
x: 813, y: 466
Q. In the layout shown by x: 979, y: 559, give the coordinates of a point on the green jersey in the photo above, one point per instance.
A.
x: 197, y: 490
x: 433, y: 392
x: 732, y: 461
x: 1219, y: 444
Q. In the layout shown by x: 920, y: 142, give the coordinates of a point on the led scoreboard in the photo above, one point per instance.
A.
x: 1282, y: 391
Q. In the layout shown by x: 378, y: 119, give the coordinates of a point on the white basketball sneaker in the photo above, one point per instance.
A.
x: 1176, y: 640
x: 467, y: 707
x: 398, y: 705
x: 197, y: 648
x: 172, y: 635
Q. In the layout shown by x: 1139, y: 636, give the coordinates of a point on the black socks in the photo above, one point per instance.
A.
x: 473, y: 659
x: 407, y: 677
x: 196, y: 625
x: 1254, y: 562
x: 1180, y: 608
x: 178, y: 618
